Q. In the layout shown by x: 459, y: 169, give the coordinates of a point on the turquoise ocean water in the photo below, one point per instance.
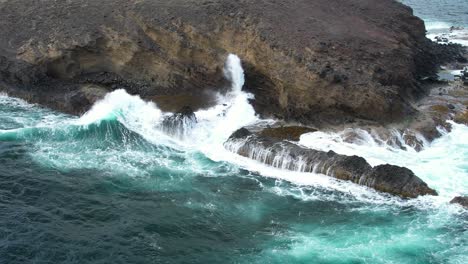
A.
x: 110, y: 187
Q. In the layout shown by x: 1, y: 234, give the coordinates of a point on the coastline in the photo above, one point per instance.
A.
x: 216, y: 131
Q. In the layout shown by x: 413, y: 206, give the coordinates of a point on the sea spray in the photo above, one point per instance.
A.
x: 232, y: 111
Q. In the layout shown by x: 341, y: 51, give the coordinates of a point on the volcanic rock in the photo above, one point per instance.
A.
x: 179, y: 123
x: 462, y: 200
x: 286, y: 155
x: 317, y: 62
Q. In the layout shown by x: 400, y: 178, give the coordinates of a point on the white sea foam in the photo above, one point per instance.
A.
x: 434, y: 25
x: 443, y: 164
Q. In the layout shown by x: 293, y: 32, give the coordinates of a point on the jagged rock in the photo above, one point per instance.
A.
x: 395, y: 180
x: 286, y: 132
x: 186, y: 112
x: 462, y: 200
x: 179, y: 123
x: 317, y: 62
x: 285, y: 155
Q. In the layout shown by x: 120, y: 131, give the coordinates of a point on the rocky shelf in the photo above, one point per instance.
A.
x: 287, y: 155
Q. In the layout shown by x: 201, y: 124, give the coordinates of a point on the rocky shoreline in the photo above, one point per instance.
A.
x: 302, y: 64
x: 372, y: 69
x: 289, y: 156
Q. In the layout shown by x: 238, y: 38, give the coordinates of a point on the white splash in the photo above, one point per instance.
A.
x: 214, y: 125
x: 232, y: 112
x: 442, y: 164
x: 434, y: 25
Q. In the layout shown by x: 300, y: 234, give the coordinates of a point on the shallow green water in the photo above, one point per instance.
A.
x: 103, y: 193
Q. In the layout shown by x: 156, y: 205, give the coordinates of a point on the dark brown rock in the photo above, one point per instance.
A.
x: 179, y: 123
x: 318, y: 62
x: 286, y: 132
x: 461, y: 200
x: 286, y: 155
x: 395, y: 180
x: 240, y: 133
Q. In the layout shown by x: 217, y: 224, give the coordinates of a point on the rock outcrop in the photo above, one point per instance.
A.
x: 180, y: 123
x: 285, y: 155
x: 317, y: 62
x: 461, y: 200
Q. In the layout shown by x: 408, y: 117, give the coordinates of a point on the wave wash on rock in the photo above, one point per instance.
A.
x: 207, y: 130
x: 285, y: 155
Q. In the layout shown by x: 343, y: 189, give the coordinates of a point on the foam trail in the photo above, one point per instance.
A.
x: 214, y: 125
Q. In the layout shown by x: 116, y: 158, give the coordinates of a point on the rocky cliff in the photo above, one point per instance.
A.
x: 317, y: 62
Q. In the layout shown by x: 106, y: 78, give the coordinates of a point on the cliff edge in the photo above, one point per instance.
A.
x: 316, y: 62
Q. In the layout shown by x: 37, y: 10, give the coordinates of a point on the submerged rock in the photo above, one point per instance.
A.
x: 285, y: 155
x: 461, y: 200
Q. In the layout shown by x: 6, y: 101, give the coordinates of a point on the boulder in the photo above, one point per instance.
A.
x: 461, y: 200
x: 240, y: 133
x: 286, y: 132
x: 395, y: 180
x: 286, y: 155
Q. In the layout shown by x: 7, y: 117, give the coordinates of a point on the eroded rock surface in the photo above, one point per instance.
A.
x: 317, y: 62
x: 461, y: 200
x: 180, y: 123
x: 285, y: 155
x: 286, y: 132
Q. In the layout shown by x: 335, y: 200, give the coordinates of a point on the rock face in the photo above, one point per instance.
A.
x: 285, y: 155
x: 461, y: 200
x: 179, y: 123
x: 316, y: 62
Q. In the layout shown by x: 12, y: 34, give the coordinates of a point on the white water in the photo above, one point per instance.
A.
x: 214, y: 126
x: 442, y: 164
x: 233, y: 111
